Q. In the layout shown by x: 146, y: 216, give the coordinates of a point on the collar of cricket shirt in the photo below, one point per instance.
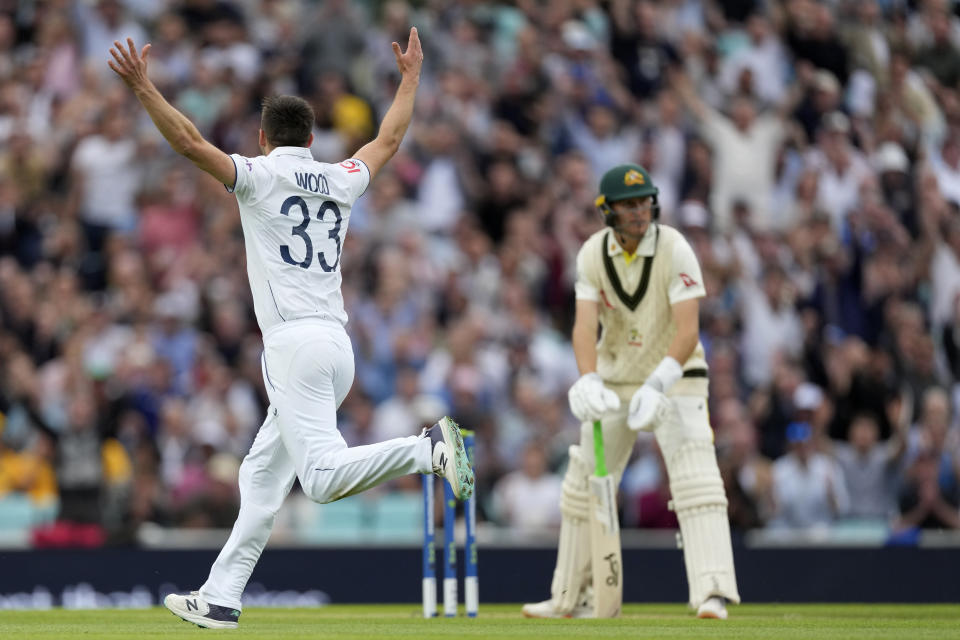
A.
x: 303, y: 152
x: 647, y: 248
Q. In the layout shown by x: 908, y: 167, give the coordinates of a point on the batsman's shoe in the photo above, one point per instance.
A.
x: 714, y: 607
x: 546, y: 609
x: 450, y: 458
x: 193, y: 608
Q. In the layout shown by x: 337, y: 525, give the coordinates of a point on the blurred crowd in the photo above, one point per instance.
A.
x: 809, y: 151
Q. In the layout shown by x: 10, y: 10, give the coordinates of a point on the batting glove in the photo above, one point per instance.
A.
x: 648, y: 402
x: 645, y: 407
x: 590, y: 400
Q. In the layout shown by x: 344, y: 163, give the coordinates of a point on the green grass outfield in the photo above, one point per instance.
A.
x: 779, y: 621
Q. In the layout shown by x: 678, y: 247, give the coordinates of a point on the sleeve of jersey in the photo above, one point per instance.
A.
x: 243, y: 184
x: 584, y: 287
x: 686, y: 282
x: 357, y: 177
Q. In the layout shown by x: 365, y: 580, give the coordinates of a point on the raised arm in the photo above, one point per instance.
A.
x: 682, y: 84
x: 378, y: 151
x: 182, y: 135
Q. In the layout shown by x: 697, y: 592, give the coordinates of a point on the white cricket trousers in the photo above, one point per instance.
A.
x: 307, y: 369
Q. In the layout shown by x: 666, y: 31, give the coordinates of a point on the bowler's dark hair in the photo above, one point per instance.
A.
x: 286, y: 121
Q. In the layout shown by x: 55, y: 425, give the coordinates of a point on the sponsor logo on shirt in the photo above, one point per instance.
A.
x: 687, y: 280
x: 352, y: 166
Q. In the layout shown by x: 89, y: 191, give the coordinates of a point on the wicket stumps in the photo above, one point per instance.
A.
x: 471, y: 583
x: 449, y: 552
x: 429, y: 551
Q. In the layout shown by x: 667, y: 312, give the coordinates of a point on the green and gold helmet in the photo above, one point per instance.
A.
x: 622, y: 182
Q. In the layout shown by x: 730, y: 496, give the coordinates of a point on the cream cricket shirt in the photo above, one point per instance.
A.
x: 634, y: 299
x: 294, y: 212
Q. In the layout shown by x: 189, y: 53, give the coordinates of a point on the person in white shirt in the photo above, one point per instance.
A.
x: 842, y: 170
x: 640, y: 282
x: 529, y: 498
x: 295, y: 212
x: 744, y: 146
x: 772, y: 326
x: 106, y: 180
x: 762, y: 56
x: 809, y: 488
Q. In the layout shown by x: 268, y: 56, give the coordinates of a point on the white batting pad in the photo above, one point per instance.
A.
x: 573, y: 551
x: 701, y: 506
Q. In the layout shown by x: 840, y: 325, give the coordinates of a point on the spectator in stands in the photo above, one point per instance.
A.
x: 854, y: 386
x: 945, y: 164
x: 122, y: 279
x: 871, y: 467
x: 740, y: 139
x: 529, y: 498
x: 925, y: 502
x: 909, y: 97
x: 808, y: 488
x: 811, y: 35
x: 940, y: 57
x: 841, y: 167
x: 951, y: 342
x: 945, y: 271
x: 747, y: 474
x: 216, y: 503
x: 440, y: 195
x: 912, y: 348
x: 92, y: 468
x: 866, y: 41
x: 771, y: 323
x: 759, y: 65
x: 399, y: 415
x: 105, y: 183
x: 639, y: 46
x: 29, y: 471
x: 101, y: 23
x: 819, y: 95
x: 930, y: 495
x: 386, y: 211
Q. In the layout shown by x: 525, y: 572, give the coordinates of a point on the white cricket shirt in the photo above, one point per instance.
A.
x: 294, y: 212
x: 635, y: 306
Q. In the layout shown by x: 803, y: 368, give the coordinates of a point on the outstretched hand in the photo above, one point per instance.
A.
x: 131, y: 66
x: 408, y: 62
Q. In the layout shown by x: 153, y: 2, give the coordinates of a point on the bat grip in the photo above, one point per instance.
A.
x: 598, y: 452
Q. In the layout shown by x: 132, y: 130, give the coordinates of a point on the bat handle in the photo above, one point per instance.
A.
x: 598, y: 451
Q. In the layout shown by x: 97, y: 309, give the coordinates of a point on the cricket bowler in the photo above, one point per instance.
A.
x: 295, y: 212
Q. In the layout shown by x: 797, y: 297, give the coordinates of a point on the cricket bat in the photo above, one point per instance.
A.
x: 604, y: 536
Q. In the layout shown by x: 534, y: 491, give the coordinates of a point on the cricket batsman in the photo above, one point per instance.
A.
x: 640, y: 282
